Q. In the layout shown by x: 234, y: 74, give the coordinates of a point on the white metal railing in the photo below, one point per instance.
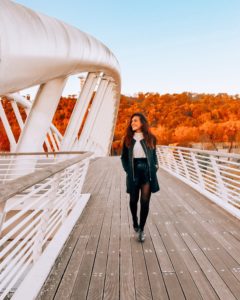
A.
x: 214, y: 174
x: 14, y: 165
x: 33, y: 210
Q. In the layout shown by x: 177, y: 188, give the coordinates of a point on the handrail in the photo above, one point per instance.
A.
x: 214, y: 174
x: 212, y: 152
x: 40, y: 153
x: 10, y: 189
x: 37, y: 214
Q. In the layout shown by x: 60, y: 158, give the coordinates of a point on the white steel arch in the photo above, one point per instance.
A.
x: 37, y: 49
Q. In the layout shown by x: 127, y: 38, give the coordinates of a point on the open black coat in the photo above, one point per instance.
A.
x: 128, y: 165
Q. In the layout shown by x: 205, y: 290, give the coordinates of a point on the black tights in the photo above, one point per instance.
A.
x: 144, y: 201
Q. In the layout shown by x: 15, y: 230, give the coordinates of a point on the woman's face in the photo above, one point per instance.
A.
x: 136, y: 124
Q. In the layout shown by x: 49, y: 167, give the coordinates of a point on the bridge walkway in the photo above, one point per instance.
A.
x: 191, y: 250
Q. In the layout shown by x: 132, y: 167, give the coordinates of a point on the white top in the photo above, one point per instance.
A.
x: 138, y: 149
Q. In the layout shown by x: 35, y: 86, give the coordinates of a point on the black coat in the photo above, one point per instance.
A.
x: 127, y: 163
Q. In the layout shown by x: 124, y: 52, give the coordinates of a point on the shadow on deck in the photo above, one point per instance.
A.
x: 191, y: 250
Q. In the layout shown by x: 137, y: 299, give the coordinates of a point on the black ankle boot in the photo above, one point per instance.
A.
x: 141, y: 235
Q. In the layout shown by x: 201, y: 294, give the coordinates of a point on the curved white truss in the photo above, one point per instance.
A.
x: 37, y: 49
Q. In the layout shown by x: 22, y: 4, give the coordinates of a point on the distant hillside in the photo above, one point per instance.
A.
x: 179, y: 119
x: 184, y: 118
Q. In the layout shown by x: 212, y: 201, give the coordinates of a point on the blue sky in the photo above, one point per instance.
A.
x: 168, y: 46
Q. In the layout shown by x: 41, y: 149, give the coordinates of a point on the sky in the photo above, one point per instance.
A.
x: 169, y: 46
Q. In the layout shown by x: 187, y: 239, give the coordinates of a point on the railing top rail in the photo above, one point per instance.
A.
x: 211, y: 152
x: 40, y: 153
x: 10, y: 189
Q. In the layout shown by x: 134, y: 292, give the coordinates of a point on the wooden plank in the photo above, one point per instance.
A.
x: 230, y: 244
x: 227, y: 248
x: 85, y: 266
x: 157, y: 285
x: 172, y: 284
x: 161, y: 252
x: 204, y: 206
x: 127, y: 285
x: 142, y: 285
x: 227, y: 245
x: 111, y: 287
x: 218, y: 278
x: 188, y: 285
x: 228, y: 252
x: 96, y: 286
x: 202, y: 283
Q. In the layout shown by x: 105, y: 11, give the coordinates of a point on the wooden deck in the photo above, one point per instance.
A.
x: 191, y: 250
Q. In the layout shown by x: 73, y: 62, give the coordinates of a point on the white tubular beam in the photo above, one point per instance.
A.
x: 103, y: 121
x: 56, y: 131
x: 98, y: 98
x: 19, y: 99
x: 110, y: 125
x: 39, y: 120
x: 40, y: 117
x: 95, y: 115
x: 117, y: 103
x: 17, y: 114
x: 78, y: 113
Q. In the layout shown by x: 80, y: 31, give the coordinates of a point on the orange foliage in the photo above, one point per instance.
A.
x: 183, y: 119
x: 4, y: 142
x: 63, y: 113
x: 179, y: 119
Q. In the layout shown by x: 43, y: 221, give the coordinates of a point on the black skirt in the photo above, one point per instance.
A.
x: 141, y: 171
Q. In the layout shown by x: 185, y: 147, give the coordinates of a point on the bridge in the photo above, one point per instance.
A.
x: 65, y: 223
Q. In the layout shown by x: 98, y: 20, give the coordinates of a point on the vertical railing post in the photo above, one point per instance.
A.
x: 171, y: 159
x: 184, y: 164
x: 197, y: 169
x: 166, y: 157
x: 161, y: 156
x: 45, y: 216
x: 117, y: 103
x: 219, y: 181
x: 175, y: 162
x: 2, y: 216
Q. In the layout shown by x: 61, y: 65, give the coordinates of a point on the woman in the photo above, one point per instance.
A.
x: 139, y: 161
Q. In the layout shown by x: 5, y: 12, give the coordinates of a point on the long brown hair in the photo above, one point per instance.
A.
x: 149, y: 137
